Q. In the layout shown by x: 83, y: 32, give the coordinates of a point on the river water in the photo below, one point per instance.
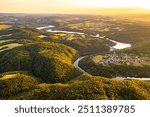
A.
x: 45, y: 27
x: 117, y: 46
x: 50, y: 29
x: 61, y: 31
x: 76, y: 64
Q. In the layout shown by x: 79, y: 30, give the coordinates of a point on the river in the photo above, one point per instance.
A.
x: 45, y: 27
x: 50, y: 29
x: 76, y: 64
x: 117, y: 46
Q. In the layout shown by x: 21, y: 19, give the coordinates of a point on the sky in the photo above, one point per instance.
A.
x: 73, y: 6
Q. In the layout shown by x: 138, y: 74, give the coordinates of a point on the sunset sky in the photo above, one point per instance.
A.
x: 73, y: 6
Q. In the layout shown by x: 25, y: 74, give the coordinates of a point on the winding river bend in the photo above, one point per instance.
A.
x: 117, y: 46
x: 76, y: 64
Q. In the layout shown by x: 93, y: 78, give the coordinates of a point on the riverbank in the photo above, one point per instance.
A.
x: 117, y: 46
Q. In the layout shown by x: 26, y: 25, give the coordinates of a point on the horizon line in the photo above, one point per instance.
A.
x: 90, y: 11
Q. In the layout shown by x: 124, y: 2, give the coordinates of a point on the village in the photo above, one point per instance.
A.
x: 123, y: 59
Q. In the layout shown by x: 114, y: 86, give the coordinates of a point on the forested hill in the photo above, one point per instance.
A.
x: 51, y: 62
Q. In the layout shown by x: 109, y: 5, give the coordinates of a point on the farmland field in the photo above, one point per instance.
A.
x: 3, y: 26
x: 9, y: 46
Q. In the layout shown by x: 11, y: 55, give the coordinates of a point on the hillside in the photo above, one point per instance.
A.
x: 140, y: 48
x: 134, y: 33
x: 13, y: 83
x: 88, y: 87
x: 49, y: 61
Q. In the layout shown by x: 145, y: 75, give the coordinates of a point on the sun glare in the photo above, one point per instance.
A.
x: 68, y: 6
x: 145, y: 4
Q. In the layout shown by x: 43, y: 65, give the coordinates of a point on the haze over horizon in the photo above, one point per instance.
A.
x: 75, y: 6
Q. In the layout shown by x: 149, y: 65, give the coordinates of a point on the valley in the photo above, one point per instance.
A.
x: 74, y: 57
